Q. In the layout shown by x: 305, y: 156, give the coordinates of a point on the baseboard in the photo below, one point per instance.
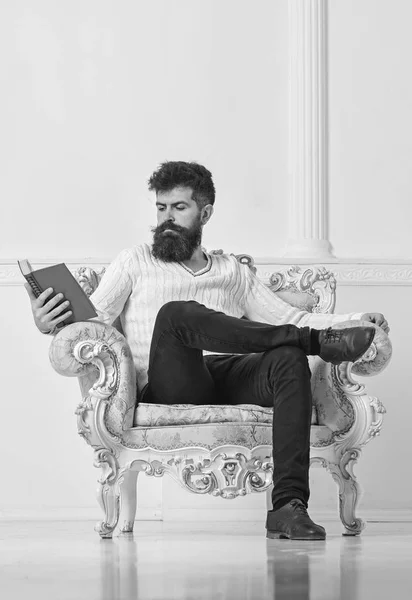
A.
x: 390, y: 516
x: 90, y: 513
x: 86, y: 513
x: 213, y: 515
x: 370, y: 515
x: 257, y: 514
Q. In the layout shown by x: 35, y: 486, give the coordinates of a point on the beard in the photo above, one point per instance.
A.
x: 176, y: 245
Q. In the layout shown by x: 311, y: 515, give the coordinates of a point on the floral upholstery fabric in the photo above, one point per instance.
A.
x: 244, y: 424
x: 180, y: 426
x: 330, y: 404
x: 330, y: 407
x: 212, y: 435
x: 156, y: 415
x: 304, y: 301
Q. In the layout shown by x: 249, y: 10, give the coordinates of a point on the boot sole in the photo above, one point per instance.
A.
x: 280, y: 535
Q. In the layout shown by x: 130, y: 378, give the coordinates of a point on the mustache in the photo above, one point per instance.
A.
x: 164, y: 226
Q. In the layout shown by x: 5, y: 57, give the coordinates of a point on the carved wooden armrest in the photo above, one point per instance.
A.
x: 351, y: 410
x: 341, y: 402
x: 100, y: 357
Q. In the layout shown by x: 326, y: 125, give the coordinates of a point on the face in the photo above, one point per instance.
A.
x: 179, y: 225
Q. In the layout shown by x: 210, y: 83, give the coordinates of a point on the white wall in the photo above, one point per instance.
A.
x: 96, y: 95
x: 370, y: 99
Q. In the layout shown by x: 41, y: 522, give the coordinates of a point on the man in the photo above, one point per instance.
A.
x: 181, y: 311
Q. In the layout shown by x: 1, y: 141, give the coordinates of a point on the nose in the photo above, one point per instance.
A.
x: 168, y: 219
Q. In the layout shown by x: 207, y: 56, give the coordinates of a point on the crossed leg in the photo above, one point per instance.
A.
x: 263, y: 364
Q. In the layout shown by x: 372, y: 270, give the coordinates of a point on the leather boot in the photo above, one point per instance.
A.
x: 293, y: 522
x: 339, y: 345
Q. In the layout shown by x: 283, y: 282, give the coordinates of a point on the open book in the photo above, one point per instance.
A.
x: 62, y: 281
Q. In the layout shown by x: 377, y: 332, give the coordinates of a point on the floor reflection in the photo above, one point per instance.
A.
x: 305, y: 571
x: 289, y: 568
x: 157, y: 567
x: 118, y: 568
x: 196, y: 561
x: 153, y: 568
x: 350, y: 555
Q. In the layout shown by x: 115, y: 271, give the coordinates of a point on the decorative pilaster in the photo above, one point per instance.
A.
x: 308, y: 131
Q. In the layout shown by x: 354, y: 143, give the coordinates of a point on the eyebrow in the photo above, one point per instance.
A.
x: 174, y: 203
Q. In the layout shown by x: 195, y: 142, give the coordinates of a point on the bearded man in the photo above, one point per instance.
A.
x: 181, y: 310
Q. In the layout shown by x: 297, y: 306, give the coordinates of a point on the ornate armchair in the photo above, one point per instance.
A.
x: 219, y: 450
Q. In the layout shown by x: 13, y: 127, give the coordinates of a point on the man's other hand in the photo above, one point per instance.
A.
x: 378, y: 319
x: 45, y: 315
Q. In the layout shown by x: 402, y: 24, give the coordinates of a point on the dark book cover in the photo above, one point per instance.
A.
x: 63, y: 282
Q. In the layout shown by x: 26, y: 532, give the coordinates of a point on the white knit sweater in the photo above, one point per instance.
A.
x: 136, y: 285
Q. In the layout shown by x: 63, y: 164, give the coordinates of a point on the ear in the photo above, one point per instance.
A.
x: 207, y: 212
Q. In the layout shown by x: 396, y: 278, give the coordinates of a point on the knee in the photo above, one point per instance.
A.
x: 173, y: 311
x: 287, y: 356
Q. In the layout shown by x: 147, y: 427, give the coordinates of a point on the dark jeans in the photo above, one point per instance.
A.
x: 272, y: 370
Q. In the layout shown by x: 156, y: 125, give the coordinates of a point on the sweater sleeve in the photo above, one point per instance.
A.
x: 114, y: 288
x: 261, y: 304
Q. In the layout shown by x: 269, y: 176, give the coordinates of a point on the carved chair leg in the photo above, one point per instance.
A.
x: 108, y: 497
x: 349, y: 492
x: 348, y: 501
x: 128, y: 501
x: 108, y: 491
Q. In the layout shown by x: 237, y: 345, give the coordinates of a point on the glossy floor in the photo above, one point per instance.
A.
x: 181, y: 560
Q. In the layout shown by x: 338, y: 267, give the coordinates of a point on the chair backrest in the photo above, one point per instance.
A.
x: 309, y: 288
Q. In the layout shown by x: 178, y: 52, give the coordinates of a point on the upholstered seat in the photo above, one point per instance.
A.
x: 329, y: 408
x: 156, y: 415
x: 222, y: 450
x: 211, y: 435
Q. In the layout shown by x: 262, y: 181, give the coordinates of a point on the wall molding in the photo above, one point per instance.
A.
x: 352, y: 272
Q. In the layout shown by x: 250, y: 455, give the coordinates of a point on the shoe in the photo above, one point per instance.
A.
x: 293, y: 522
x: 339, y: 345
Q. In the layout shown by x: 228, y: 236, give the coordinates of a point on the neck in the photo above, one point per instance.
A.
x: 197, y: 258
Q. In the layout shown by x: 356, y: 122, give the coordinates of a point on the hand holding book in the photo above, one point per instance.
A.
x: 56, y: 297
x: 47, y: 316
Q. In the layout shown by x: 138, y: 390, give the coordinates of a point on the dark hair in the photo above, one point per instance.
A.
x: 174, y: 174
